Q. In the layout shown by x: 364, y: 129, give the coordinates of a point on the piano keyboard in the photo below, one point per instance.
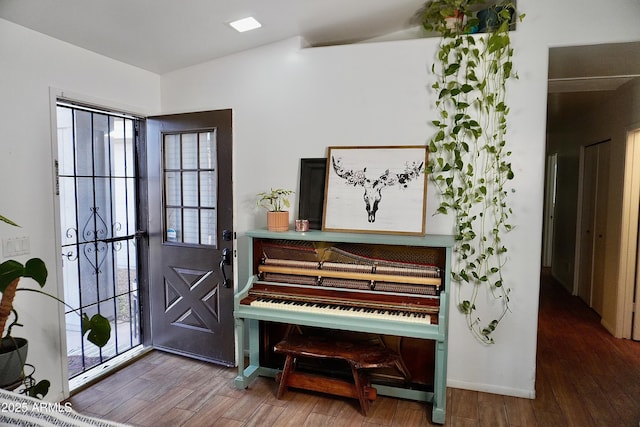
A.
x: 339, y: 310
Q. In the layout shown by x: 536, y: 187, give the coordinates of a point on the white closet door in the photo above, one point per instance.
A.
x: 601, y: 206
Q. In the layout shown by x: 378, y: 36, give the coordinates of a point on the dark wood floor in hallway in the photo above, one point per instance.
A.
x: 585, y: 377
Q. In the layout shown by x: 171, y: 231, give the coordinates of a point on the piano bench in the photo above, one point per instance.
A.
x: 359, y: 356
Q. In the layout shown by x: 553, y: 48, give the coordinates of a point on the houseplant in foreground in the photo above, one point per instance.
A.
x: 276, y: 202
x: 11, y: 273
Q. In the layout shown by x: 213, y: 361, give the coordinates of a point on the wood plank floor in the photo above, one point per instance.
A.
x: 585, y: 377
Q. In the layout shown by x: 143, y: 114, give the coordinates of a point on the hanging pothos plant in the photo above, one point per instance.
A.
x: 469, y: 159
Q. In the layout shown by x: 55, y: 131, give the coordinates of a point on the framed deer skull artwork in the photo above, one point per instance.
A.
x: 376, y: 190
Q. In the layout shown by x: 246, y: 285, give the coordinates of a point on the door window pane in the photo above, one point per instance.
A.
x: 191, y: 188
x: 174, y: 225
x: 172, y: 151
x: 172, y: 188
x: 189, y: 151
x: 208, y: 189
x: 208, y: 222
x: 191, y: 226
x: 208, y: 153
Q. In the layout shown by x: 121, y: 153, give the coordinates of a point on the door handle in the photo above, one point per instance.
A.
x: 225, y: 259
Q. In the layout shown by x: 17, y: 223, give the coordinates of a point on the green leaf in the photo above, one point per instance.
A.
x: 451, y: 69
x: 37, y: 270
x: 8, y: 221
x: 497, y: 42
x: 506, y: 68
x: 98, y: 329
x: 490, y: 99
x: 465, y: 307
x: 40, y: 390
x: 9, y: 271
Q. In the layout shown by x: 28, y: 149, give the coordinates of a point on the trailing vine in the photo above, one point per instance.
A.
x: 469, y: 159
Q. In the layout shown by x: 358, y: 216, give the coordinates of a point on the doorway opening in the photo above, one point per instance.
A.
x: 97, y: 186
x: 586, y: 105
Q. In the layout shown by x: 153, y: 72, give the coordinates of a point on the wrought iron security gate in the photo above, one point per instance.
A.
x: 97, y: 185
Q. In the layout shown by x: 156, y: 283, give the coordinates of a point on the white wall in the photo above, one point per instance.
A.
x: 303, y: 100
x: 290, y: 103
x: 30, y: 64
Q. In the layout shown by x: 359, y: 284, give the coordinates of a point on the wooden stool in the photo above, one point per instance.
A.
x: 359, y: 356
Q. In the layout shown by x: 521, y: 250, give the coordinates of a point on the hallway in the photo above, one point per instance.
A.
x: 583, y: 372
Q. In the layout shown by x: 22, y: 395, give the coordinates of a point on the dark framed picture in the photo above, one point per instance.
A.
x: 376, y: 189
x: 311, y: 197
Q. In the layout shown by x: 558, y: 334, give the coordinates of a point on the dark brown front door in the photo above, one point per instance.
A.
x: 190, y: 234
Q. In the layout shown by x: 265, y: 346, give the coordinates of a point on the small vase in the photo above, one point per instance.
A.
x: 278, y: 221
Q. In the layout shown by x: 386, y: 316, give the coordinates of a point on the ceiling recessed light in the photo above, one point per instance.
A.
x: 245, y: 24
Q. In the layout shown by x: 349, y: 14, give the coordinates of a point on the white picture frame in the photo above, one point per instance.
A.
x: 376, y: 189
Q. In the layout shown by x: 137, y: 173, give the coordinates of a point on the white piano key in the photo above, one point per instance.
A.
x: 362, y: 313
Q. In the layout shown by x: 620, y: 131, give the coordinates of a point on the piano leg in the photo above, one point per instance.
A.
x: 440, y: 383
x: 246, y: 374
x: 240, y: 380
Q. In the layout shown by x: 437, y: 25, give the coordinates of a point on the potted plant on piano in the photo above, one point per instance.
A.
x: 276, y: 202
x: 13, y: 350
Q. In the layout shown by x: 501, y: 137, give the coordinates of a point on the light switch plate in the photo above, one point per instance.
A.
x: 15, y: 246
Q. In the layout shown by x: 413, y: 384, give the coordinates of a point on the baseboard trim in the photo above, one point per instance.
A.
x: 494, y: 389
